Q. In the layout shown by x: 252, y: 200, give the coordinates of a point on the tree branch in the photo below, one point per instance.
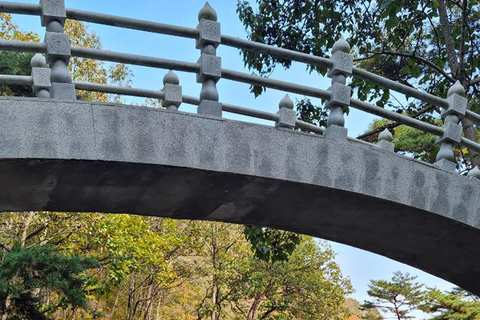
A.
x: 394, y: 124
x: 474, y: 81
x: 447, y: 34
x: 413, y: 56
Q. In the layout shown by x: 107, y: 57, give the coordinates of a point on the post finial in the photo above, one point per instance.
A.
x: 171, y: 77
x: 341, y: 45
x: 456, y: 88
x: 207, y: 13
x: 38, y: 61
x: 286, y: 103
x: 385, y: 135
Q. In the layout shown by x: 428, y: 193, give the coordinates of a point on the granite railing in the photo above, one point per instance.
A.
x: 50, y: 78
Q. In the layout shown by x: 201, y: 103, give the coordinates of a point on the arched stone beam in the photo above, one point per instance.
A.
x: 91, y: 157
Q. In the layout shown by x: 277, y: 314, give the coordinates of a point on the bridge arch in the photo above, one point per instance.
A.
x: 93, y: 157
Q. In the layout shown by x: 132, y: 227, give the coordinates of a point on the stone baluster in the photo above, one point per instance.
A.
x: 385, y: 140
x: 474, y: 173
x: 457, y: 107
x: 53, y: 17
x: 286, y: 114
x: 172, y: 91
x: 40, y: 76
x: 210, y: 65
x: 340, y: 92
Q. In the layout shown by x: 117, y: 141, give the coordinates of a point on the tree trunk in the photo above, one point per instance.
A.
x: 253, y: 309
x: 215, y: 289
x: 470, y: 133
x: 26, y: 225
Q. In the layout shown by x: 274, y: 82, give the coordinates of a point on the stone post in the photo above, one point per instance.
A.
x: 172, y: 91
x: 286, y: 114
x: 385, y: 140
x: 457, y: 107
x: 40, y: 76
x: 340, y: 92
x: 210, y: 65
x: 53, y: 17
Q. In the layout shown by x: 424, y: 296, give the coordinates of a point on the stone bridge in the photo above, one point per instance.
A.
x: 59, y: 154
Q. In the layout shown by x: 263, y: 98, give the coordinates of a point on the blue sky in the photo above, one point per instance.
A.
x: 359, y: 265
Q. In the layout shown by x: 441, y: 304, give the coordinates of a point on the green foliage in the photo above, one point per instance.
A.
x: 17, y: 64
x: 411, y: 141
x: 26, y: 272
x: 271, y: 245
x: 399, y: 296
x: 95, y: 71
x: 308, y: 112
x: 455, y: 305
x: 131, y: 243
x: 354, y: 308
x: 307, y: 285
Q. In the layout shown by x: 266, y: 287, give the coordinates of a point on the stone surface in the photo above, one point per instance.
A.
x: 386, y: 145
x: 84, y: 157
x: 457, y: 105
x: 58, y: 46
x: 173, y: 95
x: 63, y: 91
x: 210, y: 67
x: 336, y: 132
x: 446, y: 165
x: 41, y: 78
x: 385, y: 135
x: 453, y: 133
x: 340, y: 95
x: 342, y: 63
x: 209, y: 33
x: 52, y: 10
x: 287, y: 118
x: 210, y: 108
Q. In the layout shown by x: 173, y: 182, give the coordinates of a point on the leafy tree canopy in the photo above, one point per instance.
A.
x: 399, y: 296
x: 457, y: 304
x: 25, y: 273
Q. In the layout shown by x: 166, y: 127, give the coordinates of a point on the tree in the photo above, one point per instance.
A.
x: 15, y: 62
x: 457, y: 304
x: 429, y: 44
x: 399, y: 296
x: 33, y: 236
x: 307, y: 285
x: 26, y: 274
x: 95, y: 71
x: 354, y: 308
x: 271, y: 245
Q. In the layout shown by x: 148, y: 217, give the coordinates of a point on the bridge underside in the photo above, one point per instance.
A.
x: 83, y: 157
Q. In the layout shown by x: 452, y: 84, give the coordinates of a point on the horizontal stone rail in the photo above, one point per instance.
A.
x: 148, y: 26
